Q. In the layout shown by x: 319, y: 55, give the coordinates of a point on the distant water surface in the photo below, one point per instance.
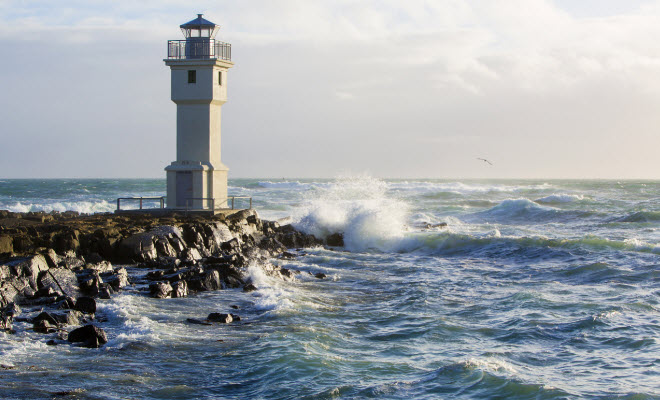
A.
x: 532, y: 290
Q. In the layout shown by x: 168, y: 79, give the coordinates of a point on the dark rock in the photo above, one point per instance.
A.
x: 230, y: 246
x: 72, y: 317
x: 47, y: 292
x: 90, y: 282
x: 51, y: 342
x: 44, y: 326
x: 160, y: 290
x: 249, y: 288
x: 180, y: 289
x: 287, y: 256
x: 335, y: 240
x: 117, y: 279
x: 155, y: 275
x: 70, y: 261
x: 235, y: 317
x: 89, y: 335
x: 320, y: 275
x: 86, y: 305
x: 197, y: 322
x: 209, y: 281
x: 45, y: 316
x: 7, y: 315
x: 105, y: 292
x: 67, y: 303
x: 60, y: 279
x: 220, y: 317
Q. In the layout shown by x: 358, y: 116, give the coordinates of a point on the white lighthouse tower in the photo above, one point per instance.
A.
x: 199, y: 65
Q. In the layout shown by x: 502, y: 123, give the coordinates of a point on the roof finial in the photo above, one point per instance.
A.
x: 199, y: 15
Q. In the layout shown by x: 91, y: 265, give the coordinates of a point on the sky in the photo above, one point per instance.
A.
x: 322, y: 88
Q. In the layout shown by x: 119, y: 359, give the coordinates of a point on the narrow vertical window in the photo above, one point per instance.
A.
x: 220, y: 78
x: 192, y: 76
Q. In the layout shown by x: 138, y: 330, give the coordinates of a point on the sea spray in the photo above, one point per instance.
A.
x: 359, y: 208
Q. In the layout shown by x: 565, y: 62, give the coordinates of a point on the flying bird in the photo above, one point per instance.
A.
x: 484, y: 160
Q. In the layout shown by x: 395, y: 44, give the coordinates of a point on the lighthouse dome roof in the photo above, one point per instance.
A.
x: 198, y: 23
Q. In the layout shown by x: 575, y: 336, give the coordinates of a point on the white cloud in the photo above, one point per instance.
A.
x: 351, y: 77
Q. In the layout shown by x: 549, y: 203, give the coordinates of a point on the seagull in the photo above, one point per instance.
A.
x: 484, y: 160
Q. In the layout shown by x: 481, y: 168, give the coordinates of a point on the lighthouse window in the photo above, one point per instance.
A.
x: 220, y: 78
x: 192, y: 76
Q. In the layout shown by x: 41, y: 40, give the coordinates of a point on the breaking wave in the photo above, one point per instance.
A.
x: 358, y: 208
x: 84, y: 207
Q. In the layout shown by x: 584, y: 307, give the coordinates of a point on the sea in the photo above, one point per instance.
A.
x: 444, y: 289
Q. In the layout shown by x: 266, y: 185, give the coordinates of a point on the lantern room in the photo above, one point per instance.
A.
x: 199, y: 28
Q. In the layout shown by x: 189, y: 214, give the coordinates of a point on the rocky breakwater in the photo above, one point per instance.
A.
x: 54, y: 266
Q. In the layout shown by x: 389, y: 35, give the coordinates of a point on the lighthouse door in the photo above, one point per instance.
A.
x: 184, y: 188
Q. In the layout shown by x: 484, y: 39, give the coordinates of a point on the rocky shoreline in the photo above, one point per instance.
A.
x: 58, y: 264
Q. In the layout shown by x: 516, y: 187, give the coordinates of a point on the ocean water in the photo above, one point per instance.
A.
x: 533, y: 290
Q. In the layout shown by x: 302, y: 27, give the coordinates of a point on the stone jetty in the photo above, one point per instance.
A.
x: 63, y: 262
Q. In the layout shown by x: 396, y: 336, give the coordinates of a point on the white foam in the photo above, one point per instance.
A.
x: 357, y: 207
x: 85, y: 207
x: 490, y: 364
x: 270, y: 294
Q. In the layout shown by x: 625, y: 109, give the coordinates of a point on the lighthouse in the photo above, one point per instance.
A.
x: 199, y: 65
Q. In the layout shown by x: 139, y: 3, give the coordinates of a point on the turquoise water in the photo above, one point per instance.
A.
x: 533, y: 290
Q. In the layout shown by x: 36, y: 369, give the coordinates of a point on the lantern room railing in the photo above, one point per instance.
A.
x: 198, y: 49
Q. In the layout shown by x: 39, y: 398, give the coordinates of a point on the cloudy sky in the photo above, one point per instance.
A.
x: 414, y: 88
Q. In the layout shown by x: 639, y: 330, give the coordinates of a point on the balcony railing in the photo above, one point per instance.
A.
x: 198, y: 49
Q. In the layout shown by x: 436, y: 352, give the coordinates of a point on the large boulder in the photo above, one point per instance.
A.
x: 161, y: 290
x: 25, y: 267
x: 85, y: 304
x: 7, y: 314
x: 60, y: 279
x: 6, y: 244
x: 143, y: 246
x: 89, y: 335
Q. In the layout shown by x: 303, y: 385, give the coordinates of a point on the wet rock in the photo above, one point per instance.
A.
x: 70, y: 261
x: 197, y: 322
x: 160, y: 290
x: 117, y: 279
x: 26, y: 267
x: 320, y: 275
x: 180, y: 289
x: 231, y: 246
x: 89, y: 335
x: 67, y: 303
x: 335, y: 240
x: 60, y: 279
x: 290, y: 237
x: 209, y: 281
x: 105, y: 292
x: 89, y: 282
x: 45, y: 316
x: 101, y: 267
x: 220, y: 317
x: 15, y: 290
x: 7, y: 315
x: 287, y: 255
x: 85, y: 304
x: 249, y: 288
x: 44, y: 326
